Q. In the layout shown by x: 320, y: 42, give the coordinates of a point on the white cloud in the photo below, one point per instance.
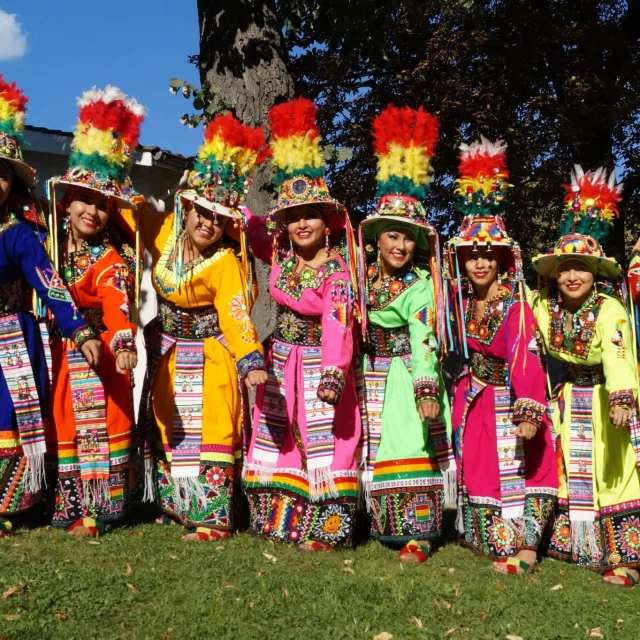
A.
x: 13, y: 42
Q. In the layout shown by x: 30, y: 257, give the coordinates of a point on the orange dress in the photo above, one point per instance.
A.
x: 89, y: 440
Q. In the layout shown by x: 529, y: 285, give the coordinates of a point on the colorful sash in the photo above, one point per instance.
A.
x: 18, y: 373
x: 90, y: 417
x: 510, y: 449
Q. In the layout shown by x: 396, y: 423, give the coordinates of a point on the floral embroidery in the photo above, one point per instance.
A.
x: 332, y: 379
x: 425, y: 388
x: 123, y: 341
x: 528, y: 410
x: 339, y: 301
x: 239, y: 312
x: 290, y: 326
x: 578, y: 341
x: 629, y: 536
x: 494, y: 315
x: 623, y: 398
x: 77, y: 264
x: 215, y: 476
x: 82, y: 334
x: 251, y: 362
x: 296, y: 283
x: 500, y: 535
x: 617, y: 338
x: 391, y: 287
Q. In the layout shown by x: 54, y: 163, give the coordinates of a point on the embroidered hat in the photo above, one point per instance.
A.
x: 591, y: 207
x: 105, y: 137
x: 12, y: 112
x: 403, y: 141
x: 481, y: 196
x: 297, y: 157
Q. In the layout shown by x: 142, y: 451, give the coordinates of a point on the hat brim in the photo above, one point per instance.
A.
x: 547, y: 265
x: 123, y: 203
x: 374, y: 226
x: 280, y: 213
x: 24, y: 173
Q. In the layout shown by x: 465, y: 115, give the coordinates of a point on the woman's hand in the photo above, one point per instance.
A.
x: 126, y: 361
x: 255, y: 377
x: 429, y: 410
x: 619, y: 416
x: 92, y: 350
x: 526, y: 430
x: 327, y: 395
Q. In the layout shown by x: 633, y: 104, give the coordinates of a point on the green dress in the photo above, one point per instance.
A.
x: 597, y: 522
x: 410, y: 463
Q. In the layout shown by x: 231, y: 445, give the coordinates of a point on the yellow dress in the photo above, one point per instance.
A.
x: 200, y: 345
x: 597, y: 522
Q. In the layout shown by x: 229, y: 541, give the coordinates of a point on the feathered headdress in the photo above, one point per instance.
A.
x: 105, y: 137
x: 591, y: 207
x: 483, y: 180
x: 13, y: 106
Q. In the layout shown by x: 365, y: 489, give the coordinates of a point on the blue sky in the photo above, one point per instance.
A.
x: 136, y: 45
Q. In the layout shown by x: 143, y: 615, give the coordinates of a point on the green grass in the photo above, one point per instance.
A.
x: 73, y: 588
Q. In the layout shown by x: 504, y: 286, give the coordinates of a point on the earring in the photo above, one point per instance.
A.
x: 499, y: 279
x: 290, y: 244
x: 470, y: 288
x: 327, y: 246
x: 215, y: 219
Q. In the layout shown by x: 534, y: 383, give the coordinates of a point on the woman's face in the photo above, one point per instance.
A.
x: 204, y: 227
x: 575, y: 280
x: 88, y: 213
x: 482, y: 266
x: 396, y: 247
x: 6, y: 180
x: 306, y: 227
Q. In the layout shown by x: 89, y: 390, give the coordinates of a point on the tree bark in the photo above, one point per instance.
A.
x: 241, y: 51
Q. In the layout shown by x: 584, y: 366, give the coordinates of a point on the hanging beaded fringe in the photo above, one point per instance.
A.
x: 34, y: 478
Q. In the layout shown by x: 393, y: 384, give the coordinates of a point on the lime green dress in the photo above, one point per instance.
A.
x: 597, y: 521
x: 409, y: 462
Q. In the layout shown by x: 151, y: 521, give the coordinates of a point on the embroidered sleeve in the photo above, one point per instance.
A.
x: 623, y: 398
x: 425, y: 388
x: 528, y: 410
x: 82, y: 334
x: 123, y: 340
x: 251, y: 362
x: 332, y: 379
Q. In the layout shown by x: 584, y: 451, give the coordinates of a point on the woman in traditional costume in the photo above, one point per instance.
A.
x: 587, y: 328
x: 410, y: 465
x: 301, y: 475
x: 507, y: 475
x: 203, y: 346
x: 90, y: 437
x: 25, y: 266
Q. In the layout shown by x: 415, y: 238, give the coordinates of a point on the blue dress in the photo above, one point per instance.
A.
x: 24, y: 402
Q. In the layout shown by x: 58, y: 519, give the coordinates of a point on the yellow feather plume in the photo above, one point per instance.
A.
x: 405, y: 162
x: 296, y: 152
x: 91, y: 140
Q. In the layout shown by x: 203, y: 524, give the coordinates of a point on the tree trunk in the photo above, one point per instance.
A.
x: 241, y: 51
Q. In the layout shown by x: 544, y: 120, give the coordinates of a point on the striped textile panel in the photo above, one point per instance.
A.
x: 319, y: 415
x: 581, y: 497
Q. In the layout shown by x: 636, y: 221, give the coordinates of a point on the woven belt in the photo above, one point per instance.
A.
x: 196, y: 323
x: 489, y: 370
x: 585, y: 375
x: 295, y: 328
x: 13, y: 298
x: 93, y: 317
x: 388, y: 342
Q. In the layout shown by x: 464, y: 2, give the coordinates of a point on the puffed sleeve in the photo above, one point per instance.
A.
x: 260, y: 242
x: 113, y: 286
x: 25, y: 250
x: 425, y: 368
x: 154, y: 226
x: 527, y: 375
x: 337, y: 334
x: 619, y: 366
x: 230, y: 300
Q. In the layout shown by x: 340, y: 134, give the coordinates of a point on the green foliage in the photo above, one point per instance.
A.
x: 208, y: 100
x: 73, y: 589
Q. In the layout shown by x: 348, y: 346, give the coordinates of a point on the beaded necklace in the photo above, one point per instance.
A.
x: 391, y: 286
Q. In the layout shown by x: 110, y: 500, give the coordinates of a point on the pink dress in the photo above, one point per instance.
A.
x: 301, y: 472
x: 507, y: 485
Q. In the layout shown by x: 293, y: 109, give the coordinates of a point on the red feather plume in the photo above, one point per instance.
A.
x: 115, y: 115
x: 594, y: 185
x: 10, y: 92
x: 298, y: 116
x: 406, y: 127
x: 483, y: 164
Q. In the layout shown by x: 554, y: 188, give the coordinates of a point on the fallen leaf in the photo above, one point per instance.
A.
x: 258, y: 574
x: 595, y: 633
x: 173, y: 557
x: 383, y: 636
x: 165, y: 636
x: 61, y: 615
x: 219, y: 548
x: 456, y: 593
x: 93, y: 542
x: 134, y: 533
x: 452, y: 570
x: 12, y: 617
x: 348, y: 562
x: 561, y: 572
x: 557, y: 587
x: 438, y: 607
x: 499, y: 586
x: 9, y: 592
x: 100, y: 567
x: 285, y: 593
x: 483, y: 616
x: 129, y: 570
x: 446, y: 604
x: 510, y: 637
x: 449, y: 632
x: 603, y: 600
x: 131, y: 587
x: 16, y: 544
x: 416, y: 621
x: 348, y: 570
x: 228, y: 586
x: 251, y: 605
x: 619, y: 623
x: 268, y: 556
